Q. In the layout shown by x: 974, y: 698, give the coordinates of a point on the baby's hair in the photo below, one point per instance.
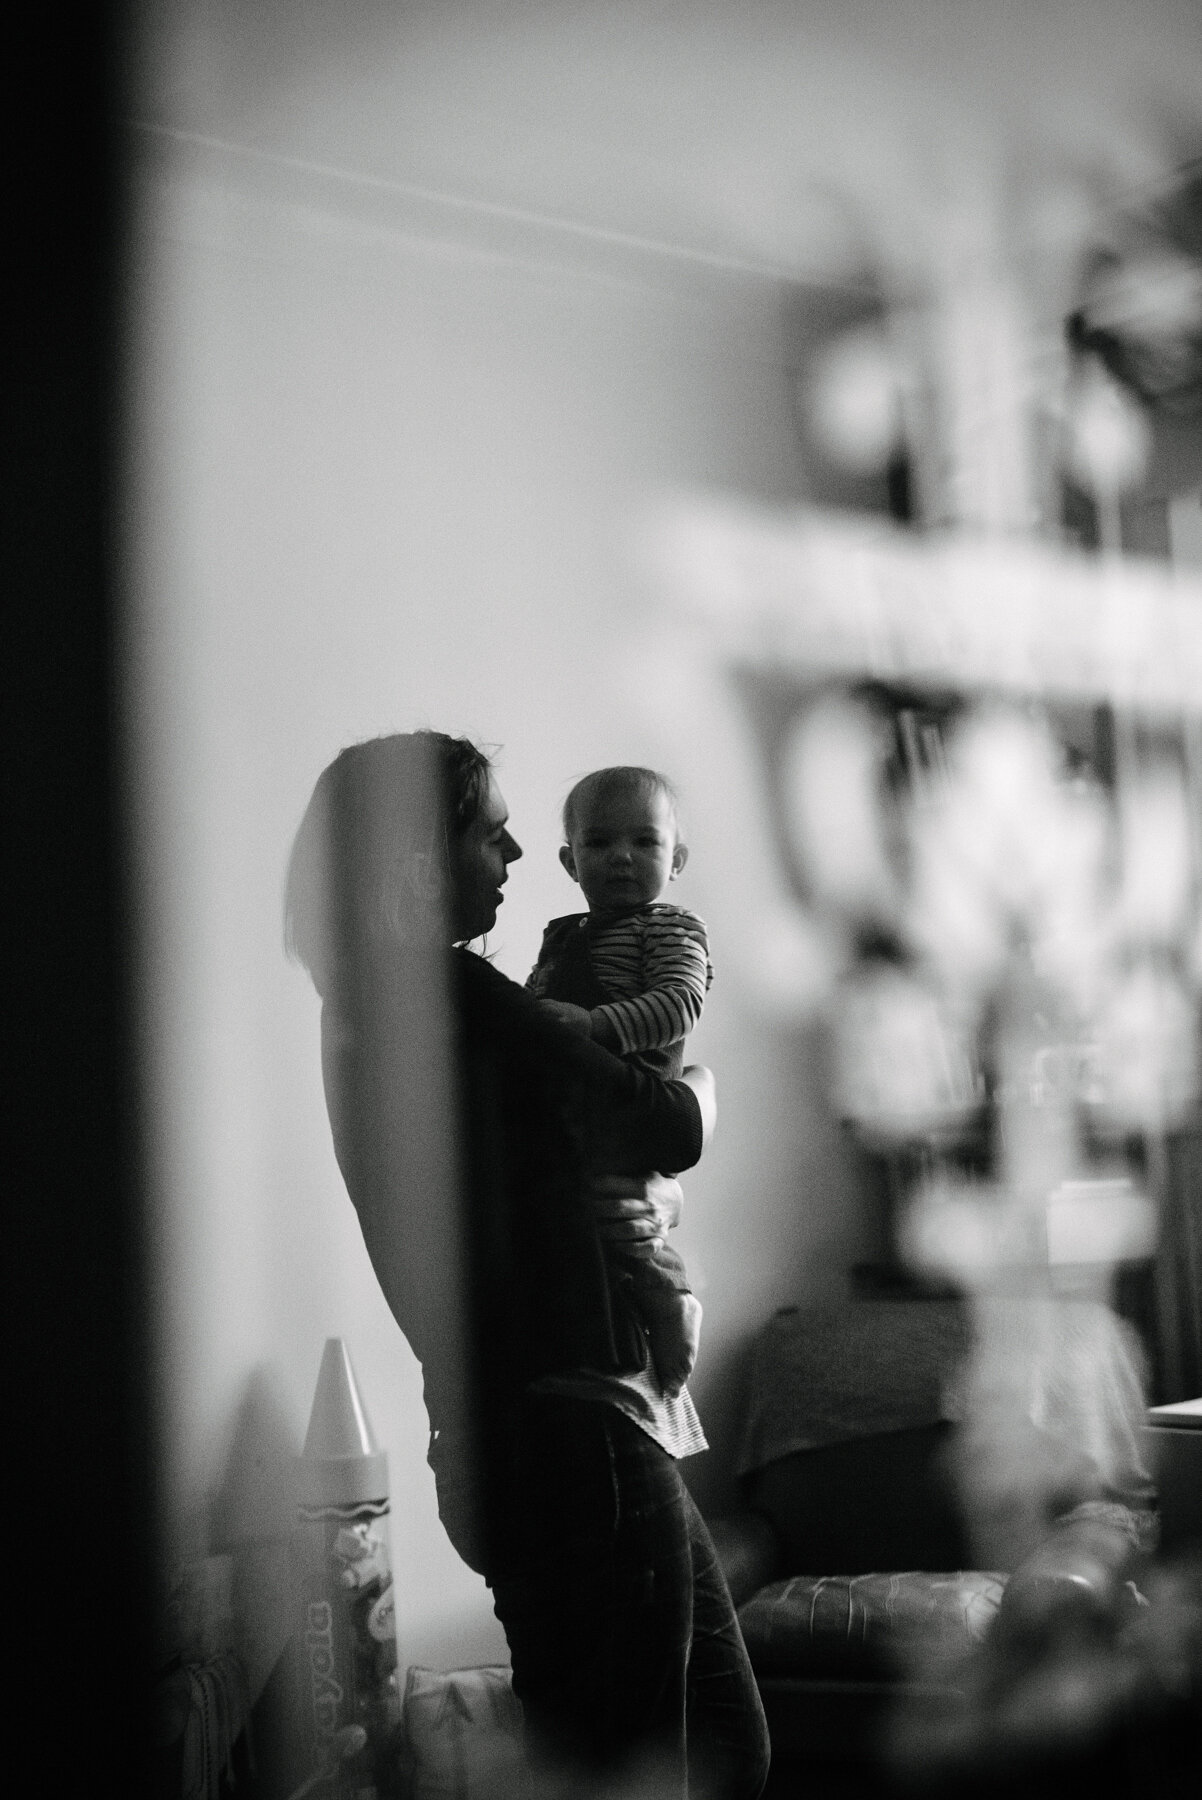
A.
x: 605, y: 784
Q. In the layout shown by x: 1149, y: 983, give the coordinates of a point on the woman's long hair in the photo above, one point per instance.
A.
x: 369, y: 864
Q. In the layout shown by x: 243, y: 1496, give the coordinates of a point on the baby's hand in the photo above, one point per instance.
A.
x: 567, y: 1014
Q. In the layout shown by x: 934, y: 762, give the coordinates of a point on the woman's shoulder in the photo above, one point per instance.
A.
x: 474, y: 975
x: 482, y: 991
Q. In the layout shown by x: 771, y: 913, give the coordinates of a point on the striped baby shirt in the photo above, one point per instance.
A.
x: 647, y: 972
x: 653, y: 961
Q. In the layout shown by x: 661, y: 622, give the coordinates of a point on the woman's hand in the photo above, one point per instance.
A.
x: 636, y: 1211
x: 701, y: 1080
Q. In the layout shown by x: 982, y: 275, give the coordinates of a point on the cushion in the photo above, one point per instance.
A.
x: 825, y: 1374
x: 864, y: 1626
x: 462, y: 1734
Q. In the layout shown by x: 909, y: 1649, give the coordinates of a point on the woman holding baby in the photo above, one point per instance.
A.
x: 555, y: 1439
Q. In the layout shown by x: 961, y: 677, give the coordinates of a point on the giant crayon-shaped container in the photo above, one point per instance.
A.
x: 348, y: 1655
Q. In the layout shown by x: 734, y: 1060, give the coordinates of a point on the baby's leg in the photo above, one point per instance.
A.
x: 672, y: 1322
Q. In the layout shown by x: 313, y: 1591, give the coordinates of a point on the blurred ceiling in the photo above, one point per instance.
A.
x: 830, y: 143
x: 807, y: 133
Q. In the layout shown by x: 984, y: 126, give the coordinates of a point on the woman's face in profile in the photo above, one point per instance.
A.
x: 480, y: 859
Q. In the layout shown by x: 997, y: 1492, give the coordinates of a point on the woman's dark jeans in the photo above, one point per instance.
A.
x: 627, y: 1655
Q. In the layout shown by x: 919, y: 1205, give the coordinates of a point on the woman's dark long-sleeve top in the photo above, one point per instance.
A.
x: 538, y: 1110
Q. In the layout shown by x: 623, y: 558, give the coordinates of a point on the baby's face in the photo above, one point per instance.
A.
x: 624, y: 850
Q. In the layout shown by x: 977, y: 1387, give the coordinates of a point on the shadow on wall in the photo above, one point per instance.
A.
x: 253, y: 1517
x: 256, y: 1496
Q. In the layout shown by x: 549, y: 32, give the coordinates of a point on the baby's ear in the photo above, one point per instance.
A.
x: 568, y: 860
x: 680, y: 857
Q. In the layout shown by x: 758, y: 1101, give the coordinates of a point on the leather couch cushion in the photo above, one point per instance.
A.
x: 865, y: 1625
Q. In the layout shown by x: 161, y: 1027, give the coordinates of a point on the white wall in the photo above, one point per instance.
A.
x: 386, y: 474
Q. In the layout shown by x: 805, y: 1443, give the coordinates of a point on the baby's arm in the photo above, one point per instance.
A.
x: 676, y: 973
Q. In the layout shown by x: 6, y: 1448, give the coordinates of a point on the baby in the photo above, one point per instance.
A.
x: 632, y: 972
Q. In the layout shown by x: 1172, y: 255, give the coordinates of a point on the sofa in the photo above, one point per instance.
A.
x: 869, y: 1599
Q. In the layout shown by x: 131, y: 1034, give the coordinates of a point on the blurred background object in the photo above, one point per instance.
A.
x: 428, y: 308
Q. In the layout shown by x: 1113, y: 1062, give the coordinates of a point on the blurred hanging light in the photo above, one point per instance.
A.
x: 853, y: 400
x: 1147, y: 1051
x: 1142, y: 316
x: 830, y: 785
x: 903, y: 1060
x: 1157, y: 868
x: 1156, y: 298
x: 1109, y: 440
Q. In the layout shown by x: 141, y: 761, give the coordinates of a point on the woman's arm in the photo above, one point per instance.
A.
x: 630, y: 1121
x: 701, y: 1080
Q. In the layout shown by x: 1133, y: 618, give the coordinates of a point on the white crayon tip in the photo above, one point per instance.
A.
x: 338, y: 1424
x: 341, y: 1453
